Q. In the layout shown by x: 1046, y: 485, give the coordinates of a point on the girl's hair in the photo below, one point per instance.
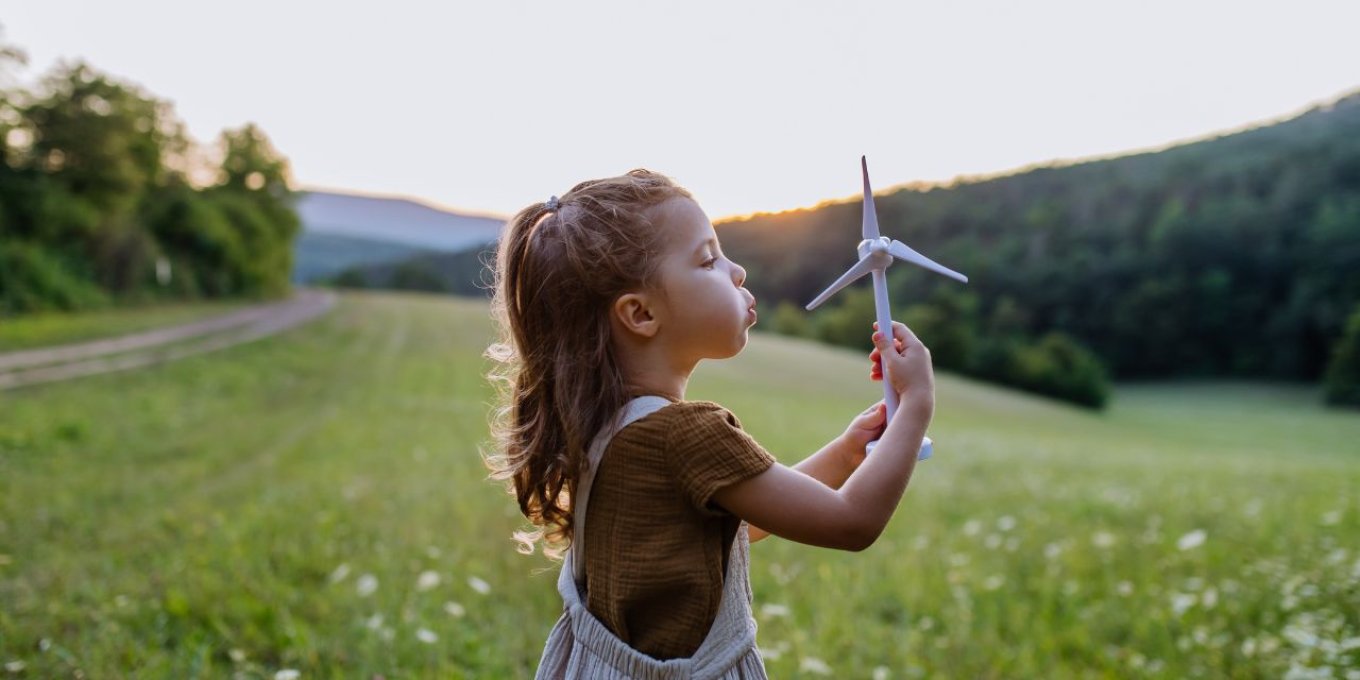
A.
x: 557, y: 273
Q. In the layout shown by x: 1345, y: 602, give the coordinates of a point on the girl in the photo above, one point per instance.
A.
x: 607, y: 299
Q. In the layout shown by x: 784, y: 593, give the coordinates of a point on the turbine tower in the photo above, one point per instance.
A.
x: 876, y: 254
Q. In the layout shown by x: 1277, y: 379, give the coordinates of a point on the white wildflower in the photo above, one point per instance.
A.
x: 1052, y: 550
x: 1331, y: 519
x: 1300, y: 636
x: 1209, y: 598
x: 1005, y: 523
x: 479, y: 585
x: 433, y: 552
x: 993, y: 541
x: 427, y: 580
x: 811, y: 664
x: 1249, y: 647
x: 454, y: 609
x: 1180, y: 602
x: 771, y: 611
x: 237, y: 655
x: 972, y: 527
x: 1124, y: 588
x: 15, y: 666
x: 881, y: 673
x: 1191, y: 540
x: 994, y: 582
x: 427, y: 636
x: 1103, y: 539
x: 1298, y: 671
x: 287, y: 674
x: 340, y: 573
x: 366, y: 585
x: 374, y: 622
x: 773, y: 653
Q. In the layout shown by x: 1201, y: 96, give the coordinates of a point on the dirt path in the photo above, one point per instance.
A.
x: 148, y: 348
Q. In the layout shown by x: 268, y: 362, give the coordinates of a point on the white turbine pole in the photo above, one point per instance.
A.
x: 885, y: 327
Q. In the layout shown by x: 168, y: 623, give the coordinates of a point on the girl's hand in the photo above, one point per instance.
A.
x: 909, y: 369
x: 866, y: 427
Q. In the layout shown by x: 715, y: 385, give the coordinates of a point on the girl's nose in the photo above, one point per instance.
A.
x: 738, y: 274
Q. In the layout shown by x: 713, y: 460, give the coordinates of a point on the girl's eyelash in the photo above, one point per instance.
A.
x: 710, y: 262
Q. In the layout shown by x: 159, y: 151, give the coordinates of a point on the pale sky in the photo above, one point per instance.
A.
x: 751, y: 105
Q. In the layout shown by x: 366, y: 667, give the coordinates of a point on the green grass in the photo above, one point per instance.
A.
x: 58, y: 328
x: 217, y: 515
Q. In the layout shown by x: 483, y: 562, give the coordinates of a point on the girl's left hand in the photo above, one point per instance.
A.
x: 866, y: 427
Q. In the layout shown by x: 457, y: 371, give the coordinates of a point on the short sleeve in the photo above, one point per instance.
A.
x: 709, y: 451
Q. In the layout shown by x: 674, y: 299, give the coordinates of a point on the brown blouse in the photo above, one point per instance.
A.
x: 655, y: 547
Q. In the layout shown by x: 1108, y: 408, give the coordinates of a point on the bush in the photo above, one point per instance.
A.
x: 33, y: 279
x: 1061, y: 367
x: 1342, y: 381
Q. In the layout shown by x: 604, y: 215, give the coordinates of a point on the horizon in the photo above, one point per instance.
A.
x: 909, y: 184
x: 773, y: 104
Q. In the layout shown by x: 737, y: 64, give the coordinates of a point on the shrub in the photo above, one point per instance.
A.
x: 1342, y: 381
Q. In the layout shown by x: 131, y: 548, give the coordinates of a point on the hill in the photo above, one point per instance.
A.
x: 340, y: 231
x: 1237, y: 255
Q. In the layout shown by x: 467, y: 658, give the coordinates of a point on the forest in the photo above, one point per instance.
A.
x: 1234, y: 256
x: 105, y: 199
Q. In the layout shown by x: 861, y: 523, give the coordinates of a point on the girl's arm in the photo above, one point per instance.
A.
x: 834, y: 463
x: 788, y: 502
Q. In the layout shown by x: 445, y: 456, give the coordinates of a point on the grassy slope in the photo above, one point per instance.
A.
x: 229, y: 505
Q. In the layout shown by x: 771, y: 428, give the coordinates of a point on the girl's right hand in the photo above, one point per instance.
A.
x: 909, y: 368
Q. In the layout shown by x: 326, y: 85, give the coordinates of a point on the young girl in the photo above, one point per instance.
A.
x: 607, y: 299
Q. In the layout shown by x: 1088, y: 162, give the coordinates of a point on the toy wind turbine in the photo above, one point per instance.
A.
x: 876, y: 253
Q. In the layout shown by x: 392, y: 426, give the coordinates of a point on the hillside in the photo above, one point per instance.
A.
x: 1236, y: 255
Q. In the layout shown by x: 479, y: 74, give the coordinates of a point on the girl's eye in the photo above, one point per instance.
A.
x: 708, y: 264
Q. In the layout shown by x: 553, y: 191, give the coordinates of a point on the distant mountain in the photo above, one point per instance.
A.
x: 340, y: 231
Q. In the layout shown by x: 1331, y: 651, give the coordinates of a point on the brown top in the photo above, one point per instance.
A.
x: 655, y: 547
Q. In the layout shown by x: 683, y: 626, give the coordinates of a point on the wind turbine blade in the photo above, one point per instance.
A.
x: 860, y: 269
x: 870, y: 226
x: 900, y: 251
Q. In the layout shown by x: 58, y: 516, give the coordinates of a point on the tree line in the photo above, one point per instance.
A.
x: 104, y: 199
x: 1233, y: 256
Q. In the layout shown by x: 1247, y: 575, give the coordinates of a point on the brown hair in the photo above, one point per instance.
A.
x: 557, y: 272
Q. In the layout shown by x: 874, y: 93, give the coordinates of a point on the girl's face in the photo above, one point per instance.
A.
x: 707, y: 312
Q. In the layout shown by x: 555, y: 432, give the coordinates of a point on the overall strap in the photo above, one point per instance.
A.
x: 630, y: 413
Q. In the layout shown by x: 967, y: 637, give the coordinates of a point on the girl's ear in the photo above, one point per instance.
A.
x: 634, y: 312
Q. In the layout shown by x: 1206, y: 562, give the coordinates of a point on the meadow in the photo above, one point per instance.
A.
x: 315, y: 502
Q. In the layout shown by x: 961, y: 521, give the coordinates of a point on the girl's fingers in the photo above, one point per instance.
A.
x: 902, y: 335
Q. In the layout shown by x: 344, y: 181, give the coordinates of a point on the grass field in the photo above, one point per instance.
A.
x: 315, y: 501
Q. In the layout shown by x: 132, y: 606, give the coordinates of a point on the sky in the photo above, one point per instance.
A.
x: 753, y: 106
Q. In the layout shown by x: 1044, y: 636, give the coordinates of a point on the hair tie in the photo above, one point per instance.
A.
x: 553, y: 203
